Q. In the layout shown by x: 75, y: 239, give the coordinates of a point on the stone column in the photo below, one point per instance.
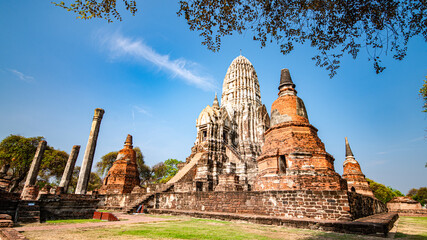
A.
x: 29, y: 188
x: 89, y: 153
x: 68, y: 171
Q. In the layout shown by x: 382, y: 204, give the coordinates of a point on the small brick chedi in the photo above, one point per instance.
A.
x: 356, y: 180
x: 123, y: 176
x: 293, y: 157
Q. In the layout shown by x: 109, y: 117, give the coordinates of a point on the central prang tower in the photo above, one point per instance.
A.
x: 230, y: 135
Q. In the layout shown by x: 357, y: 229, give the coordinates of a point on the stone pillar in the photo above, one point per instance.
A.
x: 29, y: 188
x: 68, y: 171
x: 89, y: 153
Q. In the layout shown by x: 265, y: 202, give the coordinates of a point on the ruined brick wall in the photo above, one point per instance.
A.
x: 66, y: 206
x: 331, y: 205
x: 362, y: 206
x: 8, y: 203
x: 118, y: 201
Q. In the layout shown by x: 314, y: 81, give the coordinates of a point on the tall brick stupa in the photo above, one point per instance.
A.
x: 356, y: 180
x: 293, y: 157
x: 123, y: 176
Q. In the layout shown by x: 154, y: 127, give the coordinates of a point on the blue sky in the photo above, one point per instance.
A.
x: 153, y: 77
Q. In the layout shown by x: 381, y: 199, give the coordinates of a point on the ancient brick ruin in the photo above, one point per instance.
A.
x: 406, y: 206
x: 243, y: 165
x: 39, y: 205
x: 229, y: 135
x: 123, y: 176
x: 356, y: 180
x: 293, y: 157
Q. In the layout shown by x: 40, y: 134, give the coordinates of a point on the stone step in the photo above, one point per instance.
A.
x: 28, y: 219
x: 6, y: 223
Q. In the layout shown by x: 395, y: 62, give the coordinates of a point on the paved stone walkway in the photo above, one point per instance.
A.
x: 136, y: 218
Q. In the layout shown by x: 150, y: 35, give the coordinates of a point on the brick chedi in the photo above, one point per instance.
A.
x: 356, y: 180
x: 123, y: 176
x: 293, y: 157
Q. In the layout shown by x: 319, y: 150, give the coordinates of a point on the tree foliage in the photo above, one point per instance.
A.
x: 107, y: 9
x: 333, y: 28
x: 163, y: 172
x: 95, y: 181
x: 419, y: 195
x: 423, y: 94
x: 383, y: 193
x: 108, y: 159
x: 18, y: 152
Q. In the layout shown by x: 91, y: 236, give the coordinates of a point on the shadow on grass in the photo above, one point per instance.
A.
x: 410, y: 236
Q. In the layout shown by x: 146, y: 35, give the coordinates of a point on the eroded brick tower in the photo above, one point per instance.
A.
x: 293, y: 157
x: 123, y: 176
x: 356, y: 180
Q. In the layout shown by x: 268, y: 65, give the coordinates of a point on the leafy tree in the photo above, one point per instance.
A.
x: 383, y: 193
x: 53, y: 165
x: 95, y: 181
x: 423, y: 93
x: 333, y: 28
x: 395, y: 192
x: 18, y: 152
x: 421, y: 195
x: 158, y: 172
x: 163, y: 172
x: 412, y: 192
x: 108, y: 159
x: 107, y: 9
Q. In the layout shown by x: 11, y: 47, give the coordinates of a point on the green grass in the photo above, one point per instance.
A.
x: 191, y: 229
x: 68, y: 221
x: 103, y: 210
x: 412, y: 228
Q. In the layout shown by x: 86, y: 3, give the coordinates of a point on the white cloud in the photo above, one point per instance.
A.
x: 140, y: 110
x: 121, y: 46
x: 20, y: 75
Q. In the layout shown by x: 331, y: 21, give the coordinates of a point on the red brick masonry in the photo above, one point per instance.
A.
x: 332, y: 205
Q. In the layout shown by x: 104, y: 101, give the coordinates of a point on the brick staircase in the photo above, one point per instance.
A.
x: 28, y: 212
x: 133, y: 206
x: 186, y: 168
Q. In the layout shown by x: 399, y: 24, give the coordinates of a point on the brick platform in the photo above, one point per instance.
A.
x: 378, y: 224
x: 11, y: 234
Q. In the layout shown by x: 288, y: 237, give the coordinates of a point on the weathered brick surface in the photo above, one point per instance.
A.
x: 66, y: 206
x: 123, y: 176
x: 118, y: 201
x: 8, y: 203
x: 356, y: 180
x: 362, y: 205
x: 293, y: 156
x: 297, y: 204
x: 11, y: 234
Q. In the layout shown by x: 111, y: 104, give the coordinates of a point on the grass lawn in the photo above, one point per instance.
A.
x: 191, y: 228
x: 412, y: 228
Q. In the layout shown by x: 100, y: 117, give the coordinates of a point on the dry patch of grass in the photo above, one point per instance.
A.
x: 412, y: 228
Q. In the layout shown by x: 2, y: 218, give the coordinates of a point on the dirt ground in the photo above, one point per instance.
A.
x: 167, y: 227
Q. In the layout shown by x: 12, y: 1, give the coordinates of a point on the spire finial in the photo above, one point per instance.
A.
x: 348, y: 152
x: 240, y: 52
x: 128, y: 142
x: 285, y: 79
x: 215, y: 102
